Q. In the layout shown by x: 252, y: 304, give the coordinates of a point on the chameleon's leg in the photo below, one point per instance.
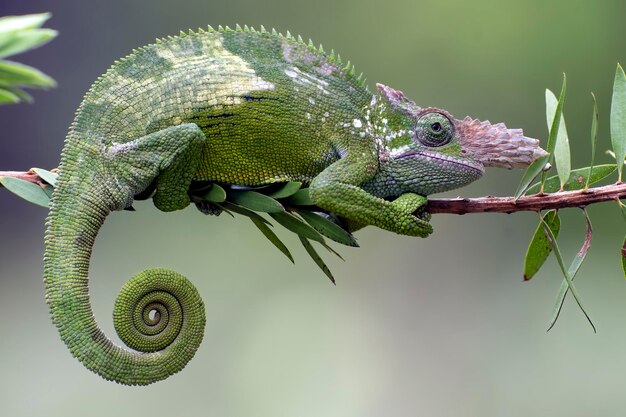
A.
x: 170, y: 155
x: 336, y: 189
x: 92, y: 182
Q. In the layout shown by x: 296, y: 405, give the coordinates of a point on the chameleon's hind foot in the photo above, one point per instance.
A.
x: 206, y: 207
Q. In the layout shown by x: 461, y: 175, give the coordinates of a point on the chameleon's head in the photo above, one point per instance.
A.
x: 429, y: 151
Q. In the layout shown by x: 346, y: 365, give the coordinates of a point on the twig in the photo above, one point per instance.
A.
x: 537, y: 202
x: 29, y: 176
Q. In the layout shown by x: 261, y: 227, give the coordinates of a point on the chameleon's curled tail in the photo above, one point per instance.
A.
x: 158, y: 313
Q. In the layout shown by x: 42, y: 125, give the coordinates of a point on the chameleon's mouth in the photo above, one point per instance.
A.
x: 444, y: 161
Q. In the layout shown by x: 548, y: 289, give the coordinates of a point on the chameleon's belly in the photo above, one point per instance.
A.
x: 257, y: 143
x: 260, y: 157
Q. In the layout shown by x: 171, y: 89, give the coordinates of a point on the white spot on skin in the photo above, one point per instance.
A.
x: 303, y: 78
x: 311, y: 100
x: 308, y: 115
x: 357, y: 123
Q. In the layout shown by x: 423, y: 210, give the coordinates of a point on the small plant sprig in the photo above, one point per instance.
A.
x: 544, y: 240
x: 19, y: 34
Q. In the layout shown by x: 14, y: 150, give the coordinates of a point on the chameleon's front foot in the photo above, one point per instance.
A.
x: 403, y: 218
x: 361, y: 208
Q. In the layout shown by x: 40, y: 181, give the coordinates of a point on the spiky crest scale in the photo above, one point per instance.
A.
x: 332, y: 58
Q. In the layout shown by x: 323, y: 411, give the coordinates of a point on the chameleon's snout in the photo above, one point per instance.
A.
x: 494, y: 145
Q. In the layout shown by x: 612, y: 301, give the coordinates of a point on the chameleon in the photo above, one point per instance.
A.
x: 243, y: 107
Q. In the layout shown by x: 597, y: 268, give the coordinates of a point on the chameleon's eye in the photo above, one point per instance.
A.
x: 434, y: 129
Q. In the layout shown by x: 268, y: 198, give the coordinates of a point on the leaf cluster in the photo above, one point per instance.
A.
x: 544, y: 240
x: 19, y: 34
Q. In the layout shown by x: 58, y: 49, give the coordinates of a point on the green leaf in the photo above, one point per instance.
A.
x: 556, y: 121
x: 286, y: 190
x: 328, y: 228
x: 30, y: 192
x: 256, y: 201
x: 8, y: 96
x: 594, y: 136
x: 618, y: 119
x: 572, y: 271
x: 230, y: 207
x: 299, y: 198
x: 570, y: 284
x: 47, y: 176
x: 291, y: 222
x: 22, y: 41
x: 536, y: 167
x: 576, y: 181
x: 271, y: 236
x: 19, y: 74
x: 540, y: 247
x: 317, y: 259
x: 27, y: 21
x: 17, y: 92
x: 561, y: 147
x: 215, y: 194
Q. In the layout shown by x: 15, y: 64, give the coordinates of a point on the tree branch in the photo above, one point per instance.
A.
x: 537, y: 202
x: 29, y: 176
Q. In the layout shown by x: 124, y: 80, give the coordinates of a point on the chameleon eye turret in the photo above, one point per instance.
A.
x: 434, y: 129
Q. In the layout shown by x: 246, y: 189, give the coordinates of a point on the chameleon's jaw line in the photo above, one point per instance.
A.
x: 441, y: 159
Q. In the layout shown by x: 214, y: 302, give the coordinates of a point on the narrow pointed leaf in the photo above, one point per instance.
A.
x: 242, y: 211
x: 328, y: 228
x: 537, y: 167
x: 300, y: 198
x: 317, y: 259
x: 271, y: 236
x: 561, y: 148
x: 21, y: 94
x: 572, y: 271
x: 540, y: 247
x: 47, y: 176
x: 19, y: 74
x: 594, y: 136
x: 256, y: 201
x: 30, y: 192
x: 215, y: 194
x: 28, y: 21
x: 8, y: 96
x: 18, y: 42
x: 530, y: 174
x: 291, y: 222
x: 570, y: 284
x: 286, y: 190
x: 618, y: 119
x: 577, y: 180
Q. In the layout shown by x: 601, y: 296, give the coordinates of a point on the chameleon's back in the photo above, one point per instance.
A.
x: 269, y: 105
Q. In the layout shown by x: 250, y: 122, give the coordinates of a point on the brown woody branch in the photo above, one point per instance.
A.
x: 29, y: 176
x: 537, y: 202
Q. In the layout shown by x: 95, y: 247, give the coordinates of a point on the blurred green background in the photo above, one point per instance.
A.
x: 437, y: 327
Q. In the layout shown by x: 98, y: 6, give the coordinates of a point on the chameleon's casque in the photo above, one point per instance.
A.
x: 248, y: 108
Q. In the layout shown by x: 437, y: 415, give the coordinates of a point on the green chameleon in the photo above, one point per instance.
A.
x: 247, y: 108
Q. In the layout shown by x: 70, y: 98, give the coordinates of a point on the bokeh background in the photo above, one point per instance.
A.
x: 437, y: 327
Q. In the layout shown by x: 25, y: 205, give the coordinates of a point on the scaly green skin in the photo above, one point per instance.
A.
x: 237, y: 107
